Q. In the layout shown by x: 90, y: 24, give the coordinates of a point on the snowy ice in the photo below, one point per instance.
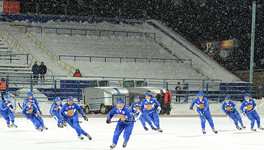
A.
x: 179, y: 133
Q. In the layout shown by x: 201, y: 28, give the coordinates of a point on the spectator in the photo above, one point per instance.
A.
x: 42, y: 72
x: 35, y: 70
x: 3, y: 87
x: 167, y: 102
x: 160, y: 99
x: 178, y: 90
x: 77, y: 73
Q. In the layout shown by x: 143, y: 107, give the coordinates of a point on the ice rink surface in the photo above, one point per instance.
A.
x: 179, y: 133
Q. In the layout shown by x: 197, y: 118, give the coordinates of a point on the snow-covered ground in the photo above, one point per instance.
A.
x: 87, y: 25
x: 123, y: 46
x: 179, y: 133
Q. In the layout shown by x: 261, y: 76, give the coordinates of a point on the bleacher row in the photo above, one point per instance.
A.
x: 108, y: 46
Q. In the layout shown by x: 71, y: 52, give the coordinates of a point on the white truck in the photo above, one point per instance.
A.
x: 139, y: 88
x: 100, y: 97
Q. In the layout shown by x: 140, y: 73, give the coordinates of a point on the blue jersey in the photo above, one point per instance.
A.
x: 202, y: 105
x: 70, y: 111
x: 55, y: 108
x: 33, y: 101
x: 247, y: 105
x: 227, y: 107
x: 149, y: 105
x: 123, y: 114
x: 5, y: 106
x: 135, y: 107
x: 29, y: 111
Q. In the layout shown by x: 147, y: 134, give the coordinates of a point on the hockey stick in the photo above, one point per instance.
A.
x: 20, y: 105
x: 261, y: 103
x: 195, y: 111
x: 122, y: 121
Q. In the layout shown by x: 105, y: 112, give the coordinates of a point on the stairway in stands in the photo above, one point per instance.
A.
x: 12, y: 64
x: 19, y: 75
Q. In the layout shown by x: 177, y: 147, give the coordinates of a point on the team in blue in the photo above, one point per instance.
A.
x: 145, y: 111
x: 125, y: 123
x: 69, y: 113
x: 7, y: 111
x: 229, y: 108
x: 55, y: 112
x: 32, y: 112
x: 248, y: 108
x: 135, y: 107
x: 203, y: 111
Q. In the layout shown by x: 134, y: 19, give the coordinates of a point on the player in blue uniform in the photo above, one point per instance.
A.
x: 30, y: 111
x: 149, y: 109
x: 229, y: 109
x: 125, y: 123
x: 69, y: 113
x: 135, y: 107
x: 203, y: 111
x: 33, y: 101
x: 7, y: 111
x: 55, y: 112
x: 249, y: 107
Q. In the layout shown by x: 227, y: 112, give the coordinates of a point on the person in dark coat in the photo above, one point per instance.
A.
x: 178, y: 90
x: 35, y: 70
x: 42, y: 72
x: 160, y: 99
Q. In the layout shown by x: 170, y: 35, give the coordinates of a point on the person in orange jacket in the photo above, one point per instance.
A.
x: 167, y: 102
x: 3, y: 87
x: 77, y: 73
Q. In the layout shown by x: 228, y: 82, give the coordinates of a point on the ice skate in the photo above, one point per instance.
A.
x: 112, y: 146
x: 80, y: 137
x: 64, y: 124
x: 14, y: 125
x: 253, y: 129
x: 88, y: 136
x: 60, y: 126
x: 214, y: 131
x: 238, y: 128
x: 145, y: 128
x: 159, y: 130
x: 45, y: 128
x: 40, y: 129
x: 243, y: 126
x: 260, y: 128
x: 124, y: 144
x: 153, y: 128
x: 204, y: 132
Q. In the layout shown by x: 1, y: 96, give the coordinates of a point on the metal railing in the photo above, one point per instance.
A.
x: 11, y: 56
x: 51, y: 86
x: 38, y: 44
x: 121, y: 59
x: 99, y: 31
x: 13, y: 43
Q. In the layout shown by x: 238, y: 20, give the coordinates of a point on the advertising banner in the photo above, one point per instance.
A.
x: 9, y: 7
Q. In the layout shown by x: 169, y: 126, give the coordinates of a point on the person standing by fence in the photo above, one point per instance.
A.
x: 160, y: 99
x: 42, y: 72
x: 3, y: 87
x: 35, y: 70
x: 167, y: 102
x: 178, y: 90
